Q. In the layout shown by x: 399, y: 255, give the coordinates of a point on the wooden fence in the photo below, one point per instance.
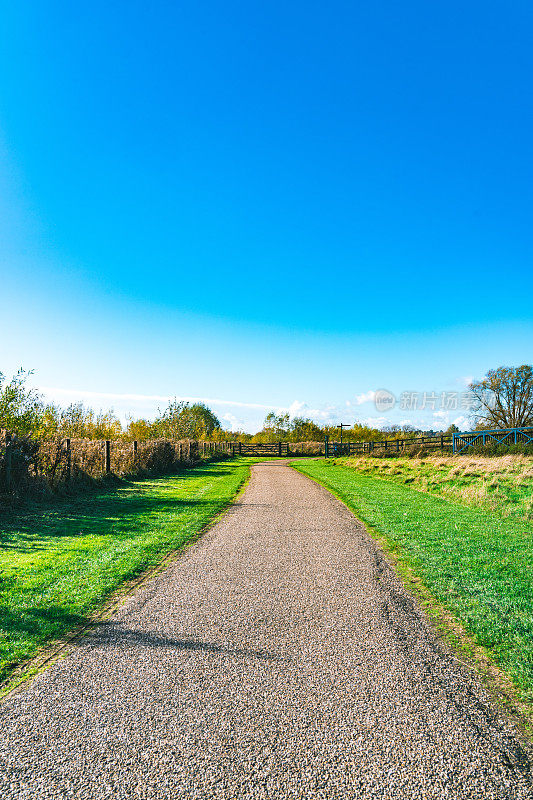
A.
x: 28, y: 465
x: 447, y: 442
x: 264, y: 449
x: 439, y: 442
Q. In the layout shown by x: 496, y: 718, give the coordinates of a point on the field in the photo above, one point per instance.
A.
x: 472, y: 548
x: 502, y: 484
x: 60, y: 561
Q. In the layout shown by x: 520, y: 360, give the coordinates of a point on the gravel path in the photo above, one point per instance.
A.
x: 278, y: 657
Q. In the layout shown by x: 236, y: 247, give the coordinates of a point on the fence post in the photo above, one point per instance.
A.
x: 326, y: 446
x: 279, y: 448
x: 69, y: 458
x: 107, y: 456
x: 240, y: 448
x: 135, y: 447
x: 442, y: 442
x: 8, y: 461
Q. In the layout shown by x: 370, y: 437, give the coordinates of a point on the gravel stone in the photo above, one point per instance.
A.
x: 278, y: 657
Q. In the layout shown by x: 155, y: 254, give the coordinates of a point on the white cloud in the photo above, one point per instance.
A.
x: 366, y: 397
x: 375, y: 422
x: 296, y: 407
x: 76, y: 394
x: 233, y: 423
x: 463, y: 423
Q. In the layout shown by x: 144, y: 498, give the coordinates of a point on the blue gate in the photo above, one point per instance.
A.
x: 505, y: 436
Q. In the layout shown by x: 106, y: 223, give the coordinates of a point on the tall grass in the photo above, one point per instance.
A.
x: 501, y: 484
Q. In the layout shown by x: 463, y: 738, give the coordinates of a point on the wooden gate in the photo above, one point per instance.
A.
x: 279, y: 449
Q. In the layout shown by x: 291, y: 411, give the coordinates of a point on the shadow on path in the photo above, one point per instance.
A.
x: 109, y: 633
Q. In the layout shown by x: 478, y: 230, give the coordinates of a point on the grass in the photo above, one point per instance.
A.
x: 502, y: 484
x: 60, y: 561
x: 475, y: 563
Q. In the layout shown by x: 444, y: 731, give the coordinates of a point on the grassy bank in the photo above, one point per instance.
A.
x: 60, y: 561
x: 476, y: 563
x: 502, y: 484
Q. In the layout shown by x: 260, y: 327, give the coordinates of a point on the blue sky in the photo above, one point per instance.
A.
x: 274, y: 205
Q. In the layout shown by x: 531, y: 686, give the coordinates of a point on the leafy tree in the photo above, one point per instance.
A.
x: 276, y: 427
x: 79, y: 422
x: 106, y: 426
x: 182, y: 420
x: 74, y: 421
x: 305, y: 430
x: 504, y: 398
x: 22, y: 409
x: 140, y: 430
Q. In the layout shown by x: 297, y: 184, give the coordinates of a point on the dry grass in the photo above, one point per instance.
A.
x: 38, y: 467
x: 503, y: 484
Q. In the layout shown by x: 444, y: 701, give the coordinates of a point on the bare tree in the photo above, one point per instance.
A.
x: 504, y: 398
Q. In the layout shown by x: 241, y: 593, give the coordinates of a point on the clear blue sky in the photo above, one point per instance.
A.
x: 275, y: 204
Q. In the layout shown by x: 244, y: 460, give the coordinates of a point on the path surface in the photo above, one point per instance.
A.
x: 277, y: 658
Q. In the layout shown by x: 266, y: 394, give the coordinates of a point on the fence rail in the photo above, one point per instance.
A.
x: 439, y: 442
x: 264, y: 449
x: 454, y: 442
x: 28, y: 465
x: 505, y: 436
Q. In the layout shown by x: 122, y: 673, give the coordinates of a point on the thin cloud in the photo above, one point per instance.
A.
x: 366, y: 397
x: 152, y: 398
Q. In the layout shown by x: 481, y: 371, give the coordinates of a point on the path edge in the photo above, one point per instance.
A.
x: 448, y: 630
x: 49, y: 654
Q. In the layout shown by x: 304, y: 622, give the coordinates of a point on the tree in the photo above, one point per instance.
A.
x: 504, y: 398
x: 305, y: 430
x: 275, y: 428
x: 75, y: 420
x: 140, y: 429
x: 79, y: 422
x: 182, y: 420
x: 22, y: 409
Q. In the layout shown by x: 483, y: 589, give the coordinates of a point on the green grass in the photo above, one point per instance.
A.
x: 60, y: 561
x: 502, y: 484
x: 477, y: 564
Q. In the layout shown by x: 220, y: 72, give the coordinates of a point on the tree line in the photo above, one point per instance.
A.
x: 502, y: 399
x: 24, y: 411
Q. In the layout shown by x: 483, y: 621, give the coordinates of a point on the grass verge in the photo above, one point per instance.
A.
x: 502, y: 484
x: 61, y: 560
x: 477, y: 565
